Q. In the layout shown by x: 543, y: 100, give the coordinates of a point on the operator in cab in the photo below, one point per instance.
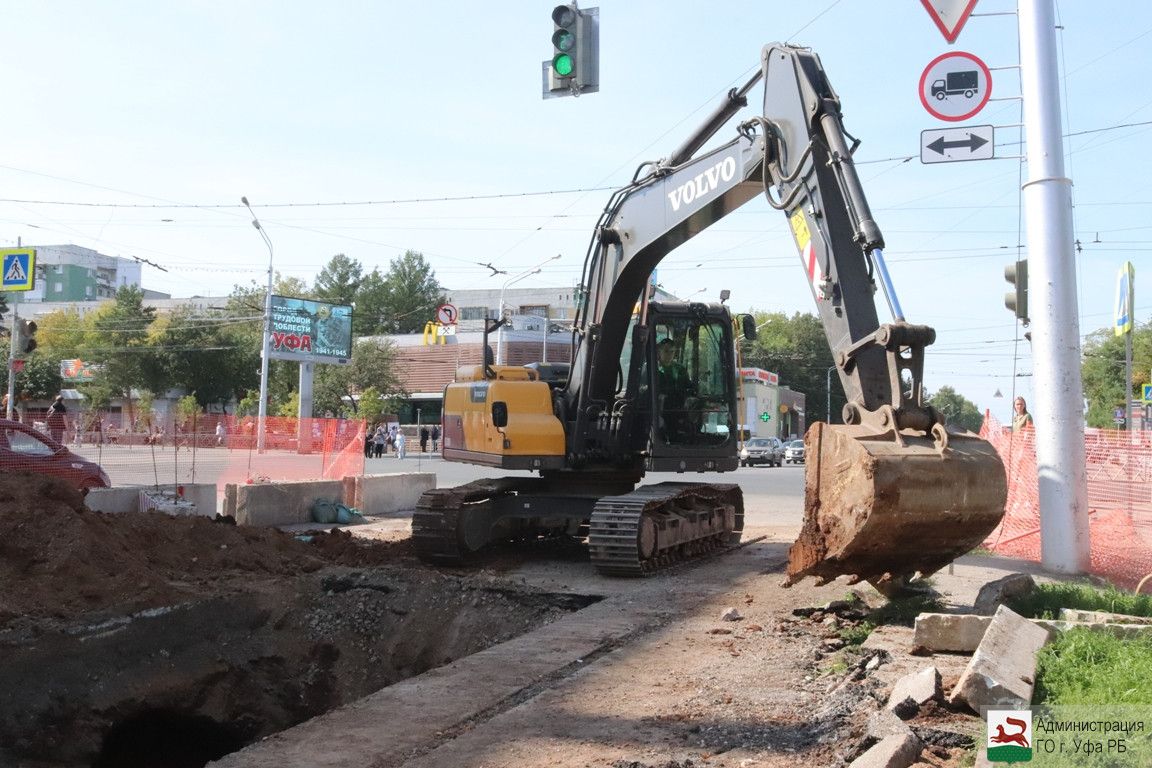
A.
x: 675, y: 390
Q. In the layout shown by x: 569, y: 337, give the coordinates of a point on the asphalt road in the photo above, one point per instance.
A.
x: 773, y: 496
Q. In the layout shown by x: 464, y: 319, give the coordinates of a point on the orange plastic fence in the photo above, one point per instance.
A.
x: 197, y: 451
x: 1119, y: 472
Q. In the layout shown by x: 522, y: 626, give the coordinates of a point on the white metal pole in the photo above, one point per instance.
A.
x: 1058, y: 392
x: 266, y: 346
x: 500, y: 330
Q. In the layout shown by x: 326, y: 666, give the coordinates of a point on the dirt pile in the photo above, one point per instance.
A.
x: 59, y: 560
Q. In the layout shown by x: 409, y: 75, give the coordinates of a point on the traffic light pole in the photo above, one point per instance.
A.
x: 12, y: 349
x: 1059, y: 390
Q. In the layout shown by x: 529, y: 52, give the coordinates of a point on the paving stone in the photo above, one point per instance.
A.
x: 1003, y: 668
x: 994, y: 593
x: 891, y: 752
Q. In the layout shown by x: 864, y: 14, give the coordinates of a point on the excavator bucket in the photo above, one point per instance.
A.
x: 881, y: 508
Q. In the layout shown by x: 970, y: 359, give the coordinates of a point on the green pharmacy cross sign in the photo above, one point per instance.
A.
x: 765, y: 416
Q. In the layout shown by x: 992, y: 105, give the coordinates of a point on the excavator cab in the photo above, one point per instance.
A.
x: 681, y: 360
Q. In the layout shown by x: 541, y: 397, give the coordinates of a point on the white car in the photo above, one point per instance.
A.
x: 794, y: 452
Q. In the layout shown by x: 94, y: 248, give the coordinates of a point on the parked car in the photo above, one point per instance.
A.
x: 762, y: 450
x: 24, y: 449
x: 794, y: 452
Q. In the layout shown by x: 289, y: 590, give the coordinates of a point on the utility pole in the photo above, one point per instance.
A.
x: 1047, y: 196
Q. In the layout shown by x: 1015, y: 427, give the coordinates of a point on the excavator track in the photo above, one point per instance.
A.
x: 629, y: 534
x: 656, y: 526
x: 440, y: 529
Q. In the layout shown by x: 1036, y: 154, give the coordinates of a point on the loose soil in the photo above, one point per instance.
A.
x: 125, y: 635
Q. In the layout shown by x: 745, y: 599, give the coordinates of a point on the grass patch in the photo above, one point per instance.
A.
x: 857, y: 634
x: 904, y: 610
x: 1047, y: 600
x: 1085, y: 667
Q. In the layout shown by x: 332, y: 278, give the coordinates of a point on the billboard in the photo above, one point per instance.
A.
x: 304, y: 330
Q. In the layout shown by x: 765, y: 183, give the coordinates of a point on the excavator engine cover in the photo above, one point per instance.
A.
x: 881, y: 508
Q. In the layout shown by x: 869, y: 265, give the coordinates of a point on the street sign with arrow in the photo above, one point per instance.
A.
x: 952, y: 145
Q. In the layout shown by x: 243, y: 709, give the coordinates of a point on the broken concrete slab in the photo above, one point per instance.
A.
x: 884, y: 723
x: 1102, y: 617
x: 913, y: 691
x: 994, y: 593
x: 950, y: 632
x: 962, y: 633
x: 891, y: 752
x: 1002, y: 671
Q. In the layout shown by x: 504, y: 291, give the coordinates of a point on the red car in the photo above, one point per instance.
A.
x: 23, y: 449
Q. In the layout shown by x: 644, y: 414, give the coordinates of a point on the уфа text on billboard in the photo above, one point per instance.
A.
x: 310, y: 331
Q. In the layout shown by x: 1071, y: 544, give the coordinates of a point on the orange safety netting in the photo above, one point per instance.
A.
x: 1119, y: 471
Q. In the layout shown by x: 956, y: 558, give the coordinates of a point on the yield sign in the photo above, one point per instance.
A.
x: 949, y: 15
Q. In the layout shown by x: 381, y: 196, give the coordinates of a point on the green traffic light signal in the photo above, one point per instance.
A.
x: 565, y: 17
x: 563, y: 64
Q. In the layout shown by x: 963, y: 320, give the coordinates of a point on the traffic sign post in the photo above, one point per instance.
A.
x: 446, y: 314
x: 1147, y: 396
x: 955, y: 86
x: 951, y: 145
x: 19, y: 269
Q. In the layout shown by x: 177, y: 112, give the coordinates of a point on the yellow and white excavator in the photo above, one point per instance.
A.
x: 889, y: 494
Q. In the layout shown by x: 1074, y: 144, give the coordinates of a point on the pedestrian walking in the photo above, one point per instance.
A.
x: 424, y: 435
x: 220, y: 433
x: 399, y: 440
x: 380, y: 440
x: 57, y: 420
x: 435, y: 438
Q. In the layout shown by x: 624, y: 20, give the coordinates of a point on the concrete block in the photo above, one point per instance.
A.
x: 1003, y: 668
x: 283, y: 503
x: 1102, y: 617
x: 913, y: 691
x: 891, y: 752
x: 120, y: 500
x: 994, y: 593
x: 388, y: 494
x: 950, y: 632
x: 125, y: 499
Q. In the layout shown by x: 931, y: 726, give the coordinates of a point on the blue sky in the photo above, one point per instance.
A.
x: 126, y: 106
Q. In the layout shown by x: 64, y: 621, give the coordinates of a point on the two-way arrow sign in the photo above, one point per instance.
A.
x: 951, y: 145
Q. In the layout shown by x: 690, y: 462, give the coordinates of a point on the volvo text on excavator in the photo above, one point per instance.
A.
x: 652, y: 385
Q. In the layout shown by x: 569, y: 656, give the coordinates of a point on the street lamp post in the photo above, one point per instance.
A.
x: 514, y: 279
x: 266, y: 347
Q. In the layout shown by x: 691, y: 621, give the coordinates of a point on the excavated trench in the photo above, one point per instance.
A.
x: 187, y: 683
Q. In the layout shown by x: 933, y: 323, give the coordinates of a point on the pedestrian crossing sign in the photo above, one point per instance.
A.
x: 1147, y: 393
x: 19, y: 269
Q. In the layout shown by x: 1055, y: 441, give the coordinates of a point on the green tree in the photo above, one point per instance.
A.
x: 372, y: 406
x: 129, y: 360
x: 796, y: 349
x: 373, y: 365
x: 40, y: 379
x: 371, y: 299
x: 339, y: 280
x: 208, y: 354
x: 1103, y: 371
x: 410, y: 296
x: 957, y: 409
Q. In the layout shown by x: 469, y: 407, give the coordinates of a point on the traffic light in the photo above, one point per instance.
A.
x: 25, y: 336
x: 574, y: 67
x: 1017, y: 300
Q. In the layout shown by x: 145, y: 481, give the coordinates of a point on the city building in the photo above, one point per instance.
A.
x: 71, y: 273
